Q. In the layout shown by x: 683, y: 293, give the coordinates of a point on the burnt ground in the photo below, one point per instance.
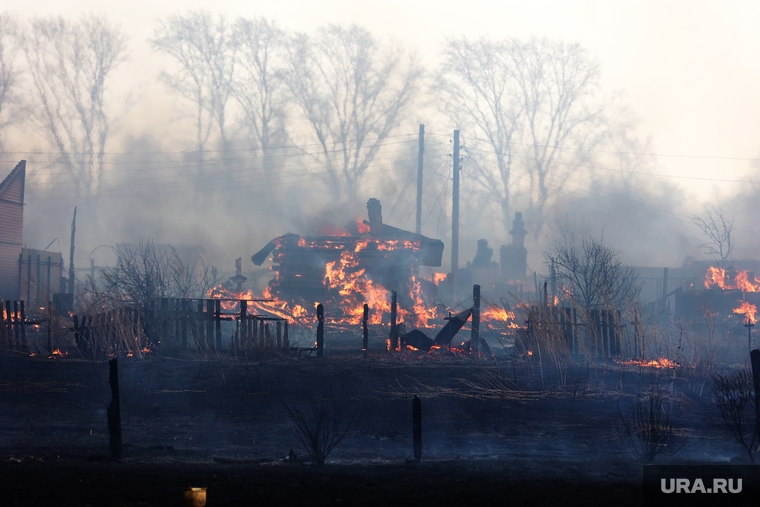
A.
x: 493, y: 432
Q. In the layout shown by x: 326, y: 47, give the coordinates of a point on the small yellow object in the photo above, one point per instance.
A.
x: 195, y: 497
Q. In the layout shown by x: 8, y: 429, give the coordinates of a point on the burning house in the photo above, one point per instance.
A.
x: 731, y: 293
x: 362, y: 263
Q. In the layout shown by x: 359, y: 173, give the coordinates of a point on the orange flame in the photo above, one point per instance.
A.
x: 719, y: 278
x: 660, y: 362
x: 747, y: 309
x: 362, y: 227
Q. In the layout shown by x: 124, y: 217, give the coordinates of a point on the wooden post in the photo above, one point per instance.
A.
x: 201, y: 326
x: 279, y: 334
x: 218, y: 322
x: 394, y: 329
x: 285, y: 340
x: 475, y: 335
x: 16, y: 336
x: 320, y: 330
x: 455, y: 220
x: 210, y: 323
x: 49, y: 327
x: 114, y: 411
x: 365, y: 332
x: 24, y: 339
x: 243, y: 333
x: 420, y: 158
x: 417, y: 428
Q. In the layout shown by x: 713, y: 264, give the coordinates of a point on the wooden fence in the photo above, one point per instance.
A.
x: 600, y: 334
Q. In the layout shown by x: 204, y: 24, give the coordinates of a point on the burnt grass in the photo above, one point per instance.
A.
x: 494, y: 432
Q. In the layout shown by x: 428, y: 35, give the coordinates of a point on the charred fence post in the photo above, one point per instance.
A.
x: 320, y: 330
x: 417, y: 428
x: 475, y: 335
x: 50, y: 327
x: 24, y: 339
x: 279, y: 335
x: 394, y: 329
x: 16, y: 337
x: 365, y: 332
x: 285, y: 339
x: 243, y: 328
x: 218, y: 323
x: 114, y: 411
x: 210, y: 323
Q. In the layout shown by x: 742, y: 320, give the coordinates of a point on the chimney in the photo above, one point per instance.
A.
x: 375, y: 213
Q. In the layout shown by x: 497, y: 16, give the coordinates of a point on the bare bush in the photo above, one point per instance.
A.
x: 649, y: 426
x: 733, y: 393
x: 320, y: 428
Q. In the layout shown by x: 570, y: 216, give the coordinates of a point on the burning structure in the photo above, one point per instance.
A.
x: 361, y: 263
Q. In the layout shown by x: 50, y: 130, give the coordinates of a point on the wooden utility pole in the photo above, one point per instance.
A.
x: 420, y: 158
x: 71, y: 252
x: 455, y: 220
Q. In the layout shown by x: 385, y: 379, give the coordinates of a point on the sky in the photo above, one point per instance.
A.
x: 688, y: 70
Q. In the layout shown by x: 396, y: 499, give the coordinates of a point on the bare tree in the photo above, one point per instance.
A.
x: 258, y: 85
x: 9, y: 69
x: 533, y: 102
x: 594, y: 277
x: 717, y: 229
x: 69, y: 64
x: 147, y: 271
x: 352, y: 95
x: 202, y: 47
x: 477, y: 82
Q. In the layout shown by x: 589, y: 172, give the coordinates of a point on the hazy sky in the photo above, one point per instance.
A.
x: 689, y: 70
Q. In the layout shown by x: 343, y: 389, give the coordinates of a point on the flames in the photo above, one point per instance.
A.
x: 659, y: 363
x: 723, y: 279
x: 747, y: 309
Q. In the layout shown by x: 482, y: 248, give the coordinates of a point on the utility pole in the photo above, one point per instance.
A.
x: 420, y: 156
x: 71, y: 252
x: 455, y: 220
